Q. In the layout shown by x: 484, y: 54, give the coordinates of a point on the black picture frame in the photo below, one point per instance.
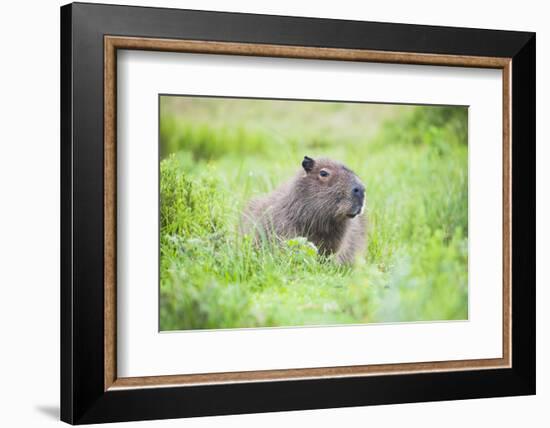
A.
x: 83, y: 398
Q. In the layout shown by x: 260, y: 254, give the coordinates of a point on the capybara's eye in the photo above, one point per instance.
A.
x: 324, y: 173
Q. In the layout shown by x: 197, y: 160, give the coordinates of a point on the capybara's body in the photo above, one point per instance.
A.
x: 324, y: 202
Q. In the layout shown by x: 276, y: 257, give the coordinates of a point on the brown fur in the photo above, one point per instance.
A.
x: 324, y: 209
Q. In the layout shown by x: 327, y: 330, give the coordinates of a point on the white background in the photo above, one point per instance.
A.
x: 143, y: 351
x: 29, y: 226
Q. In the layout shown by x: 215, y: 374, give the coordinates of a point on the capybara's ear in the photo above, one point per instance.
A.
x: 307, y: 163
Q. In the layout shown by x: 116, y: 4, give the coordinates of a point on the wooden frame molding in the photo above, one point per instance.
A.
x: 113, y: 43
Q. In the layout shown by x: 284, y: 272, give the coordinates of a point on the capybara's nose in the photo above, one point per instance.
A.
x: 358, y: 191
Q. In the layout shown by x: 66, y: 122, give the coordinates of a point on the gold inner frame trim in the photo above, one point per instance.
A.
x: 113, y: 43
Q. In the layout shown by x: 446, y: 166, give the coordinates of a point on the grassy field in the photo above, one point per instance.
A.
x: 217, y: 154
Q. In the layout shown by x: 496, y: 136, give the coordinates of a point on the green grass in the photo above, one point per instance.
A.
x: 216, y: 155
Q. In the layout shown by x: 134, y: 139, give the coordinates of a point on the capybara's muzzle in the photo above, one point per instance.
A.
x: 358, y: 200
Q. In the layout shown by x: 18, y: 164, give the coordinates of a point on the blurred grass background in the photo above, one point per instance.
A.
x: 218, y: 153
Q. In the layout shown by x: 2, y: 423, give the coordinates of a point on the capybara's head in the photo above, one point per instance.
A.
x: 331, y: 190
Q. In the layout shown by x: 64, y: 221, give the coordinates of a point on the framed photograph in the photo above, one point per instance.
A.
x: 265, y: 213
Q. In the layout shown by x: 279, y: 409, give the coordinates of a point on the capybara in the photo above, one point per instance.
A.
x: 324, y: 203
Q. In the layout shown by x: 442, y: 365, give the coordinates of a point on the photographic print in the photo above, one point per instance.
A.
x: 282, y: 213
x: 232, y: 202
